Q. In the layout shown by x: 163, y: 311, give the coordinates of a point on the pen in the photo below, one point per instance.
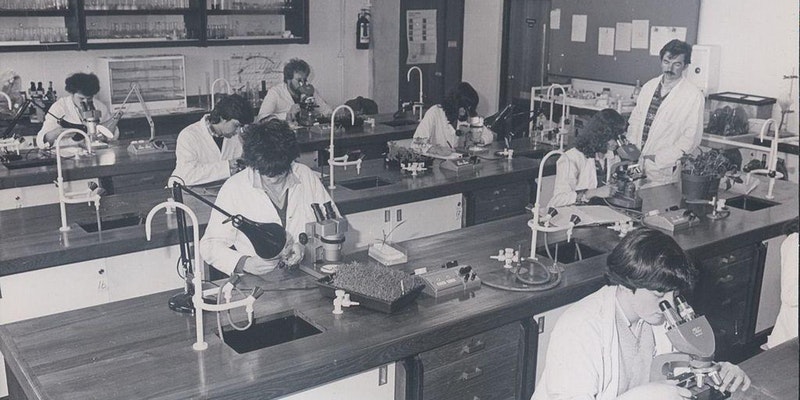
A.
x: 449, y: 144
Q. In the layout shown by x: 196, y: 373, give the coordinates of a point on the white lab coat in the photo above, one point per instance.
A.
x: 677, y: 129
x: 786, y: 324
x: 197, y: 157
x: 65, y: 109
x: 242, y: 194
x: 435, y: 127
x: 279, y: 99
x: 575, y: 171
x: 583, y: 357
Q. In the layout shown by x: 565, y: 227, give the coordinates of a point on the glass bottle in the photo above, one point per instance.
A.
x: 636, y: 90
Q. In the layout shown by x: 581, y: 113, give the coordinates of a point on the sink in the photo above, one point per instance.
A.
x: 267, y: 332
x: 366, y: 182
x: 113, y: 222
x: 749, y: 203
x: 400, y: 122
x: 568, y: 253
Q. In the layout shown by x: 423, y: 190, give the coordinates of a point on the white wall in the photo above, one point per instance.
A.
x: 339, y: 71
x: 759, y: 44
x: 483, y: 22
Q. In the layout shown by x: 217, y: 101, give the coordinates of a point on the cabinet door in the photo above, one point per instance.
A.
x: 375, y: 384
x: 142, y: 273
x: 427, y: 217
x: 546, y: 321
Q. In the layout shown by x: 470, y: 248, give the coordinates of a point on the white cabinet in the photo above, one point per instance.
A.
x: 375, y: 384
x: 546, y: 322
x: 37, y: 195
x: 405, y: 222
x: 142, y: 273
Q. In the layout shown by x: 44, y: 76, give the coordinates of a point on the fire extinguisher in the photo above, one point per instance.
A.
x: 362, y: 30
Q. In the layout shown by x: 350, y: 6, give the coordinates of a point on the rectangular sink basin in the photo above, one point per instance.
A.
x: 400, y: 122
x: 267, y: 332
x: 568, y: 253
x: 749, y: 203
x: 366, y: 182
x: 113, y: 222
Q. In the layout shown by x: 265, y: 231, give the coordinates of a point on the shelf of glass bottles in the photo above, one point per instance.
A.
x: 135, y: 5
x: 266, y: 6
x: 120, y: 29
x: 43, y: 31
x: 247, y: 27
x: 33, y: 5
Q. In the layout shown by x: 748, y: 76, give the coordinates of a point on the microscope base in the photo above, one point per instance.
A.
x: 634, y: 203
x: 705, y: 392
x: 181, y: 303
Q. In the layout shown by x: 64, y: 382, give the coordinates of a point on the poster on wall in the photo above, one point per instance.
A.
x: 421, y: 36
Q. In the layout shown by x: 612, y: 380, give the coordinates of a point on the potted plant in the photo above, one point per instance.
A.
x: 702, y: 172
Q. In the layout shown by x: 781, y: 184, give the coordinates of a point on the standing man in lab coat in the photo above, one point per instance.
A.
x: 283, y: 101
x: 208, y: 150
x: 603, y: 346
x: 668, y: 119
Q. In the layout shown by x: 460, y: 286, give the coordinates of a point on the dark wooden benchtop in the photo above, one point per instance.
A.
x: 774, y: 373
x: 138, y: 348
x: 31, y: 240
x: 115, y: 160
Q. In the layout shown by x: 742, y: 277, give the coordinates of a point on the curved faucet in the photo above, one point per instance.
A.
x: 534, y: 223
x: 343, y: 160
x: 75, y: 197
x: 564, y: 111
x: 772, y: 163
x: 213, y: 87
x: 8, y: 98
x: 420, y: 103
x: 197, y: 278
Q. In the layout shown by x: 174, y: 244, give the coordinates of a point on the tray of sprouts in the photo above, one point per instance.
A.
x: 373, y: 285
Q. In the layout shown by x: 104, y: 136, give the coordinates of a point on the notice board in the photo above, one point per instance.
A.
x: 598, y: 21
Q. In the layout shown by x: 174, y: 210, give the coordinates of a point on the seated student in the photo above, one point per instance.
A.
x: 69, y: 110
x: 602, y: 346
x: 208, y: 150
x: 786, y: 323
x: 272, y: 188
x: 446, y: 126
x: 283, y: 100
x: 582, y: 171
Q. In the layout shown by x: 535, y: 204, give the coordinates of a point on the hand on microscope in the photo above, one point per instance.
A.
x: 732, y: 378
x: 660, y: 390
x: 602, y: 191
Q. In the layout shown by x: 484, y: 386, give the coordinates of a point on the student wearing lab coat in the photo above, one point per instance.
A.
x: 445, y: 126
x: 68, y: 111
x: 786, y: 323
x: 283, y: 101
x: 272, y: 188
x: 602, y: 347
x: 583, y: 171
x: 208, y: 150
x: 667, y: 121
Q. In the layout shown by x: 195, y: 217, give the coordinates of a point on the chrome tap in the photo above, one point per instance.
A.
x: 564, y: 113
x: 416, y: 107
x: 8, y: 98
x: 213, y: 91
x: 342, y: 161
x: 534, y: 223
x: 74, y: 197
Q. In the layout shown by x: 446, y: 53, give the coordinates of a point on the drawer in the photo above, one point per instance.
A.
x: 731, y: 277
x: 728, y: 319
x: 509, y: 190
x: 490, y: 377
x: 480, y: 345
x: 728, y: 258
x: 499, y: 208
x: 132, y: 183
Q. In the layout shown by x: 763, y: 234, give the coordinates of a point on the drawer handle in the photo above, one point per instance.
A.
x: 725, y: 279
x: 727, y: 260
x: 496, y: 193
x: 473, y: 347
x: 467, y: 375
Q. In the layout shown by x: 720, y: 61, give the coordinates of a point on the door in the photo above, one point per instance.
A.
x: 443, y: 74
x: 524, y: 56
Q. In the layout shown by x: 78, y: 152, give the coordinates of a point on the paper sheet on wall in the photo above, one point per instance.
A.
x: 605, y: 41
x: 252, y: 68
x: 421, y: 36
x: 661, y: 35
x: 579, y: 28
x: 622, y: 39
x: 555, y: 18
x: 640, y: 31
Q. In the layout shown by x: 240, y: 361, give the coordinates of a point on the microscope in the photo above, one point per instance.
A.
x: 307, y: 115
x: 693, y: 365
x: 325, y: 236
x: 624, y: 175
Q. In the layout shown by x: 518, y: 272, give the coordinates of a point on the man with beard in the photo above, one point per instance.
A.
x: 668, y: 119
x: 284, y: 101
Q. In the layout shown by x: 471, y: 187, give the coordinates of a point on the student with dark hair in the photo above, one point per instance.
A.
x: 68, y: 111
x: 272, y: 188
x: 283, y: 101
x: 445, y: 126
x: 602, y: 346
x: 208, y: 150
x: 582, y: 172
x: 667, y: 121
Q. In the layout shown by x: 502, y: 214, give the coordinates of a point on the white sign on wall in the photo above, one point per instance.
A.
x: 421, y: 36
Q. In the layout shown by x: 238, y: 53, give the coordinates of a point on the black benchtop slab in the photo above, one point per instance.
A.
x: 31, y: 239
x: 137, y: 348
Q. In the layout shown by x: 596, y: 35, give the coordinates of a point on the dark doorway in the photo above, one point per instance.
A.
x: 445, y: 73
